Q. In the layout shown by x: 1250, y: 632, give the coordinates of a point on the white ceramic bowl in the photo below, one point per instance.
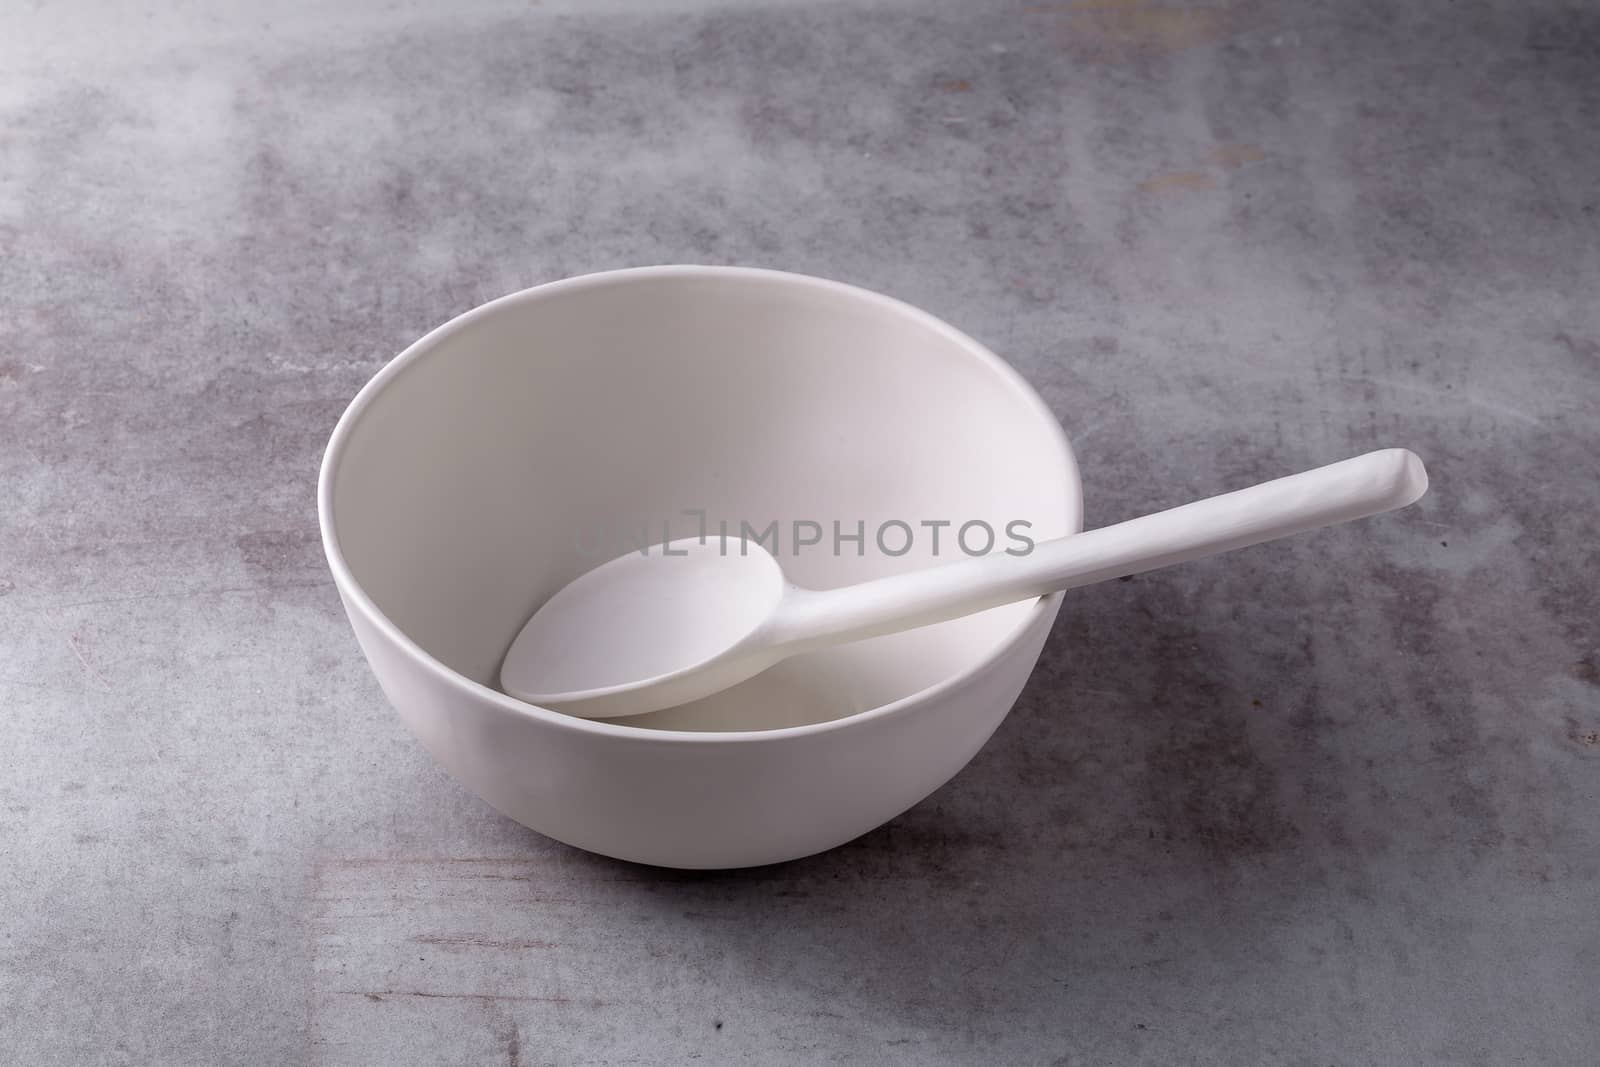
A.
x: 486, y: 465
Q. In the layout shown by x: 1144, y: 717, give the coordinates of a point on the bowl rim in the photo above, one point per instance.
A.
x: 356, y: 597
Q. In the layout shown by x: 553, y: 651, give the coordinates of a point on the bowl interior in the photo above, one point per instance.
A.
x: 526, y: 442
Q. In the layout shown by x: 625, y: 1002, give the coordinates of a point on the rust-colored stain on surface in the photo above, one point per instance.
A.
x: 1176, y: 180
x: 1232, y: 156
x: 1226, y: 157
x: 1138, y: 24
x: 956, y: 85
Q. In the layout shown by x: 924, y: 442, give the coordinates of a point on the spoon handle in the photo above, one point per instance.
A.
x: 1352, y: 489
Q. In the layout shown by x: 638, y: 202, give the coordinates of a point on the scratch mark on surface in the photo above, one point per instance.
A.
x: 382, y: 861
x: 72, y: 643
x: 1161, y: 961
x: 24, y: 682
x: 1000, y: 964
x: 481, y: 941
x: 190, y: 593
x: 426, y: 994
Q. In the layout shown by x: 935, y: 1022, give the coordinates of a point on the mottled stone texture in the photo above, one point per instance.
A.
x: 1326, y: 802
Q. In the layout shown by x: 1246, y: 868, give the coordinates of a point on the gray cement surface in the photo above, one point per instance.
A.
x: 1328, y: 802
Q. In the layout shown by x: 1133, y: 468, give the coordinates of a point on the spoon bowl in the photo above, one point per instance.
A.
x: 665, y: 620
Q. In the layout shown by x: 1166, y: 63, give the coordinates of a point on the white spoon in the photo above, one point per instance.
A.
x: 653, y: 630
